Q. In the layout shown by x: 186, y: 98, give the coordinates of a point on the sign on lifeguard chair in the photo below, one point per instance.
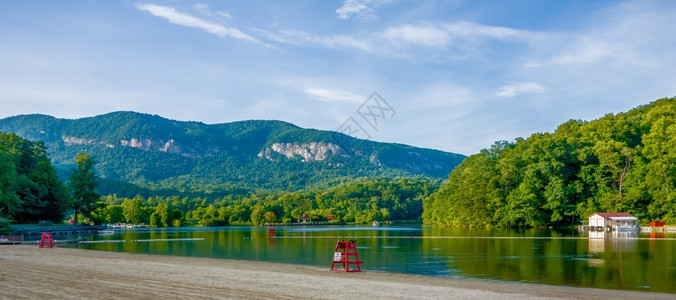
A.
x: 46, y: 241
x: 345, y: 256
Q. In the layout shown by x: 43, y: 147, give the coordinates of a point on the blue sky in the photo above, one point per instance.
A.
x: 459, y: 74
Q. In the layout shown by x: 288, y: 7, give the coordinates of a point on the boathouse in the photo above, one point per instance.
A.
x: 303, y: 219
x: 613, y: 221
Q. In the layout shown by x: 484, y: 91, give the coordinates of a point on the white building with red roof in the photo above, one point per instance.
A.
x: 303, y: 219
x: 613, y: 221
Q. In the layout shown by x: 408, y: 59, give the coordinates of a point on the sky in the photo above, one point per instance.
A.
x: 449, y: 75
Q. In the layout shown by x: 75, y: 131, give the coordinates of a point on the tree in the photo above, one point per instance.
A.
x: 162, y: 216
x: 270, y: 217
x: 109, y: 214
x: 83, y: 183
x: 623, y: 162
x: 5, y: 229
x: 134, y: 210
x: 29, y: 188
x: 9, y: 200
x: 256, y: 215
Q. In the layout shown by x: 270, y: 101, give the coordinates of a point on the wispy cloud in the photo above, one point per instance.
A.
x: 185, y: 19
x: 204, y: 10
x: 631, y: 34
x: 440, y: 35
x: 464, y: 38
x: 327, y: 95
x: 357, y: 8
x: 429, y: 36
x: 519, y: 89
x: 305, y: 39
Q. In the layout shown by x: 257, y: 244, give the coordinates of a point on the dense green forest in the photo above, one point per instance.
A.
x: 31, y: 193
x: 149, y: 155
x: 618, y: 163
x: 360, y: 201
x: 164, y: 172
x: 29, y: 188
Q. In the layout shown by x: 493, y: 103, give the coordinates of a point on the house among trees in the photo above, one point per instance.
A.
x: 303, y: 219
x: 613, y: 221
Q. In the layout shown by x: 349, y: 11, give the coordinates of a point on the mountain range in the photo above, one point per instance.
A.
x: 143, y: 153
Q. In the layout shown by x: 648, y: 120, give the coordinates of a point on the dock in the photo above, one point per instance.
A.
x: 30, y: 231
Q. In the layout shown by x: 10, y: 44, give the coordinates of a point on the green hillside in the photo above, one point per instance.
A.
x: 618, y: 163
x: 146, y: 154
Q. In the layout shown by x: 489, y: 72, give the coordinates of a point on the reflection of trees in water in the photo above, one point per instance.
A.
x: 611, y: 260
x: 616, y: 260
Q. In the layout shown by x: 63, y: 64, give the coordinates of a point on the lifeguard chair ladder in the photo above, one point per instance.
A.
x: 46, y: 241
x: 345, y: 256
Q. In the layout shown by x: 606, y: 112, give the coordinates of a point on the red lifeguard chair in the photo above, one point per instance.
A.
x: 345, y: 256
x: 46, y: 240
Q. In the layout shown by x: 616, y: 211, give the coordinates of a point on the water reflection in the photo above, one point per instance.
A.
x: 613, y: 260
x: 623, y: 241
x: 597, y: 241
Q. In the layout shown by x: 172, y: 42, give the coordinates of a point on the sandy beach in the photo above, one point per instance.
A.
x: 28, y: 272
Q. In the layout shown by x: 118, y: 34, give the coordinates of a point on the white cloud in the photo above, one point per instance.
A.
x: 614, y: 62
x: 630, y: 34
x: 493, y: 32
x: 302, y: 38
x: 429, y: 36
x: 357, y: 8
x: 204, y: 10
x: 224, y: 14
x: 519, y: 89
x: 327, y: 95
x: 188, y: 20
x: 464, y: 38
x: 441, y: 35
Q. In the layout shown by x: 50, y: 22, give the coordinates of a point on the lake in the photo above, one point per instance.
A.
x: 629, y: 261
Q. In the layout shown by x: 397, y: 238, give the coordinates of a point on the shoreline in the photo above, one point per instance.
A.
x: 27, y: 271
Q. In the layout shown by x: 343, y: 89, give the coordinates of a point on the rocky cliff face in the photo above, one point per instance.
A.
x: 169, y: 146
x: 308, y: 151
x: 71, y: 140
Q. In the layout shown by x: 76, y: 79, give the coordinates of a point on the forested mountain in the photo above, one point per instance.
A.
x: 149, y: 155
x: 618, y: 163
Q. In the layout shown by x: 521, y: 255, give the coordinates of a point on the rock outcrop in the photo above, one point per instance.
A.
x: 308, y: 151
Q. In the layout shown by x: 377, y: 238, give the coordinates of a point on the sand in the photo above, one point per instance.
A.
x: 28, y: 272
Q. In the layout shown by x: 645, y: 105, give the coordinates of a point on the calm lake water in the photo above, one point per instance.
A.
x: 620, y: 261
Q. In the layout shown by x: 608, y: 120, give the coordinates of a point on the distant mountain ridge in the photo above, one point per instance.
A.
x: 149, y: 150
